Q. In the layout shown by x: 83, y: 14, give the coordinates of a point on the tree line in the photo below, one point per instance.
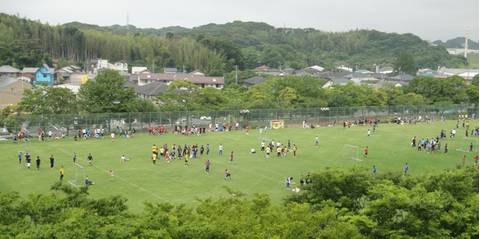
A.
x: 108, y: 93
x: 215, y: 49
x: 336, y: 204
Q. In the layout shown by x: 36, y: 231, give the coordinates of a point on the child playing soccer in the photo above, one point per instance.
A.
x: 154, y: 158
x: 227, y: 175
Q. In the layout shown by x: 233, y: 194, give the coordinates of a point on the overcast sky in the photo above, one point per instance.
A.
x: 430, y: 19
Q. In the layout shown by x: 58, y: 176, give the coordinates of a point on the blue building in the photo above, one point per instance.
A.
x: 44, y: 76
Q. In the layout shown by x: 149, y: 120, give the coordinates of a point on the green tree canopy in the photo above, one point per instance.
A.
x: 107, y: 93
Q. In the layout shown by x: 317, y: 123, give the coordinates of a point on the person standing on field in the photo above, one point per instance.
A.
x: 52, y: 161
x: 220, y: 150
x: 37, y: 162
x: 62, y: 173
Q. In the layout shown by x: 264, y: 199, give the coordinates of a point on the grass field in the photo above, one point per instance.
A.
x: 139, y: 180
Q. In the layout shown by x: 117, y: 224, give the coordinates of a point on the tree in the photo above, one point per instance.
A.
x: 405, y: 63
x: 107, y: 93
x: 472, y: 91
x: 48, y: 100
x: 287, y: 97
x: 409, y: 99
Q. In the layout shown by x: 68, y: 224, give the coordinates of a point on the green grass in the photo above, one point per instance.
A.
x: 139, y: 180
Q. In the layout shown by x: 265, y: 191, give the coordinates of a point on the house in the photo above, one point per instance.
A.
x: 11, y: 91
x: 120, y: 66
x: 200, y: 80
x: 151, y: 90
x: 264, y: 69
x: 427, y: 72
x: 401, y: 78
x: 29, y: 72
x: 444, y: 72
x: 170, y: 70
x: 253, y: 80
x: 138, y: 69
x: 314, y: 69
x: 364, y: 79
x: 363, y: 71
x: 78, y: 79
x: 384, y: 70
x: 64, y: 73
x: 344, y: 68
x: 9, y: 71
x: 337, y: 77
x: 198, y: 73
x: 101, y: 64
x: 44, y: 76
x: 466, y: 74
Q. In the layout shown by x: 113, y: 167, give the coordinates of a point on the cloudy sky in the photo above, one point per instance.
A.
x: 430, y: 19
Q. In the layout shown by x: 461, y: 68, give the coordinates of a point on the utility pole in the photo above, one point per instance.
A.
x: 236, y: 74
x: 465, y: 53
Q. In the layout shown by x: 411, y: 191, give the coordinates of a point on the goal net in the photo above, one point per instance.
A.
x: 263, y: 134
x: 78, y: 175
x: 351, y: 152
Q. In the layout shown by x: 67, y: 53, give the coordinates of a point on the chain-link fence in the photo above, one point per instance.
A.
x: 67, y: 124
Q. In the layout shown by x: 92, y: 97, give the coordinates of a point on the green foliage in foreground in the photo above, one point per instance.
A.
x: 338, y: 204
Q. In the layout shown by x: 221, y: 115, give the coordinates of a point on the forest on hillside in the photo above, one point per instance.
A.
x: 214, y: 48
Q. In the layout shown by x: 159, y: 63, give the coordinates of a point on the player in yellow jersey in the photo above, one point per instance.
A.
x: 62, y: 173
x: 154, y: 158
x: 155, y: 150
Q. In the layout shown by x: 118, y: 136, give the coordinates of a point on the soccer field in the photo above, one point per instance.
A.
x: 139, y: 180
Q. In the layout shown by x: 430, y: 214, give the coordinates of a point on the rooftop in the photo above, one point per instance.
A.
x: 8, y: 69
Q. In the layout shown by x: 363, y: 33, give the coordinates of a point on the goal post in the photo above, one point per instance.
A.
x: 277, y: 124
x: 351, y: 152
x: 78, y: 175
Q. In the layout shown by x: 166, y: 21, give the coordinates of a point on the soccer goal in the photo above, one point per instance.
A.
x: 78, y: 175
x: 351, y: 152
x: 263, y: 135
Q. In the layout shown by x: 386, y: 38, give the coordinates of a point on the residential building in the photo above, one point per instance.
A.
x: 44, y: 76
x: 29, y: 72
x: 337, y: 77
x: 466, y: 74
x: 170, y: 70
x: 314, y: 69
x: 200, y: 80
x: 63, y: 74
x: 101, y: 64
x: 383, y: 70
x: 344, y: 68
x: 138, y: 69
x: 444, y: 72
x: 266, y: 70
x: 151, y: 90
x: 9, y: 71
x: 78, y: 78
x: 11, y: 91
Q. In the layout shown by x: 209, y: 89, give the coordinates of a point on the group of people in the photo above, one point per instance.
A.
x: 28, y: 162
x: 429, y: 145
x: 178, y: 152
x: 188, y: 152
x: 280, y: 149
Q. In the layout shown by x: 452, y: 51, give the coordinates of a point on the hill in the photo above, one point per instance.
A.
x: 458, y: 42
x: 212, y: 48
